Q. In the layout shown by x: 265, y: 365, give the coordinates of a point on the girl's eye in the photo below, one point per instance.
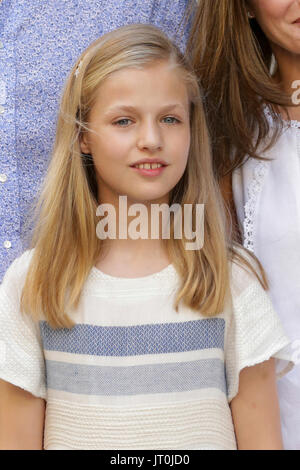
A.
x: 122, y: 122
x: 171, y: 120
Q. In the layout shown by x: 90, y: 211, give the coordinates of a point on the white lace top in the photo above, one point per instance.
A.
x: 267, y: 199
x: 133, y: 373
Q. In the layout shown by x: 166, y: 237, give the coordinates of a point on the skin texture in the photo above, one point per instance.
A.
x: 156, y: 126
x: 255, y: 409
x: 21, y: 419
x: 277, y: 20
x: 152, y: 128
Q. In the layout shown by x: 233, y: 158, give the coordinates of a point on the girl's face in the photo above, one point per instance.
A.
x: 280, y: 21
x: 141, y: 116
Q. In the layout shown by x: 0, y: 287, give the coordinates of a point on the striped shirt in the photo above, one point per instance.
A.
x: 133, y: 373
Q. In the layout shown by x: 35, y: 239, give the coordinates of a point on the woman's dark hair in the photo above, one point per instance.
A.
x: 232, y: 58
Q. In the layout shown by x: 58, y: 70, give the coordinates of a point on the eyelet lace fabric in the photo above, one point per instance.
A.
x: 254, y: 191
x: 256, y: 185
x: 292, y: 123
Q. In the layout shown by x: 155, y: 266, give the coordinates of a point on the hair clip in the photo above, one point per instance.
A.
x: 78, y: 68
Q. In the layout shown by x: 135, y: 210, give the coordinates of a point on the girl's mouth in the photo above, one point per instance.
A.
x: 149, y: 169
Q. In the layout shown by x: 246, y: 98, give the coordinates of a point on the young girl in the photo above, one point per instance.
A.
x: 249, y: 81
x: 124, y: 343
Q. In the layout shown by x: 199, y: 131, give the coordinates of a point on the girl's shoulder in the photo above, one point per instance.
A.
x: 254, y: 332
x: 252, y: 319
x: 16, y: 272
x: 242, y: 278
x: 22, y: 261
x: 20, y: 340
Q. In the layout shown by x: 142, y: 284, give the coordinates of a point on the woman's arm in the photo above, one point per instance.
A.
x: 255, y: 409
x: 21, y: 419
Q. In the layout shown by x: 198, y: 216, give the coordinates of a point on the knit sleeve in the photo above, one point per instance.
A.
x: 21, y: 353
x: 254, y: 332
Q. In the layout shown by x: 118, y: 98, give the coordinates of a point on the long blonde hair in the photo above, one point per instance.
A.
x: 232, y: 59
x: 64, y: 240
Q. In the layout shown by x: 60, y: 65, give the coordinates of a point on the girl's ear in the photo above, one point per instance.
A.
x: 84, y: 146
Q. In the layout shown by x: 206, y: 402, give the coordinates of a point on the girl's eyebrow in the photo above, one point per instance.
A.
x: 168, y: 107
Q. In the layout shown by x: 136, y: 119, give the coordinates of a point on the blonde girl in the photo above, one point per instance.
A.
x: 247, y: 58
x: 135, y: 343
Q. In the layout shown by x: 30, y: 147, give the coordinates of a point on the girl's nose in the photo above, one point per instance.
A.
x: 149, y: 138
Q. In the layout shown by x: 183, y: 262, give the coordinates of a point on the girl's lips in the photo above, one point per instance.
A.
x: 149, y: 172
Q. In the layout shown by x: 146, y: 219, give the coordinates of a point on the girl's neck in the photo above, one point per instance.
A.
x: 288, y: 72
x: 131, y: 257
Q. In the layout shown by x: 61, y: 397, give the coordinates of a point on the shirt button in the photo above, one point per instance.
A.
x: 1, y: 45
x: 7, y: 244
x: 1, y: 109
x: 3, y: 177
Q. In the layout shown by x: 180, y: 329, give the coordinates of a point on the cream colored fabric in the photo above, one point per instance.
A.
x: 134, y: 373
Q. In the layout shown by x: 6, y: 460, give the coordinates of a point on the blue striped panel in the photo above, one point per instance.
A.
x: 155, y: 338
x: 134, y: 380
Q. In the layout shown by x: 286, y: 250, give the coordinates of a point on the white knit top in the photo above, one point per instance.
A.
x: 267, y: 198
x: 133, y: 373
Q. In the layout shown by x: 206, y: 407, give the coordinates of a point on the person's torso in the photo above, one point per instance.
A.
x: 134, y: 373
x: 267, y: 199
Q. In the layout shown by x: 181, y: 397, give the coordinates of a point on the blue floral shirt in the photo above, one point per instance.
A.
x: 39, y: 43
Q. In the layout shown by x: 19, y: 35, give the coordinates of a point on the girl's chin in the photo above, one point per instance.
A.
x: 147, y: 199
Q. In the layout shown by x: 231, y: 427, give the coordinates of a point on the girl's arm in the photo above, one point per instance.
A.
x: 21, y: 419
x: 255, y: 409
